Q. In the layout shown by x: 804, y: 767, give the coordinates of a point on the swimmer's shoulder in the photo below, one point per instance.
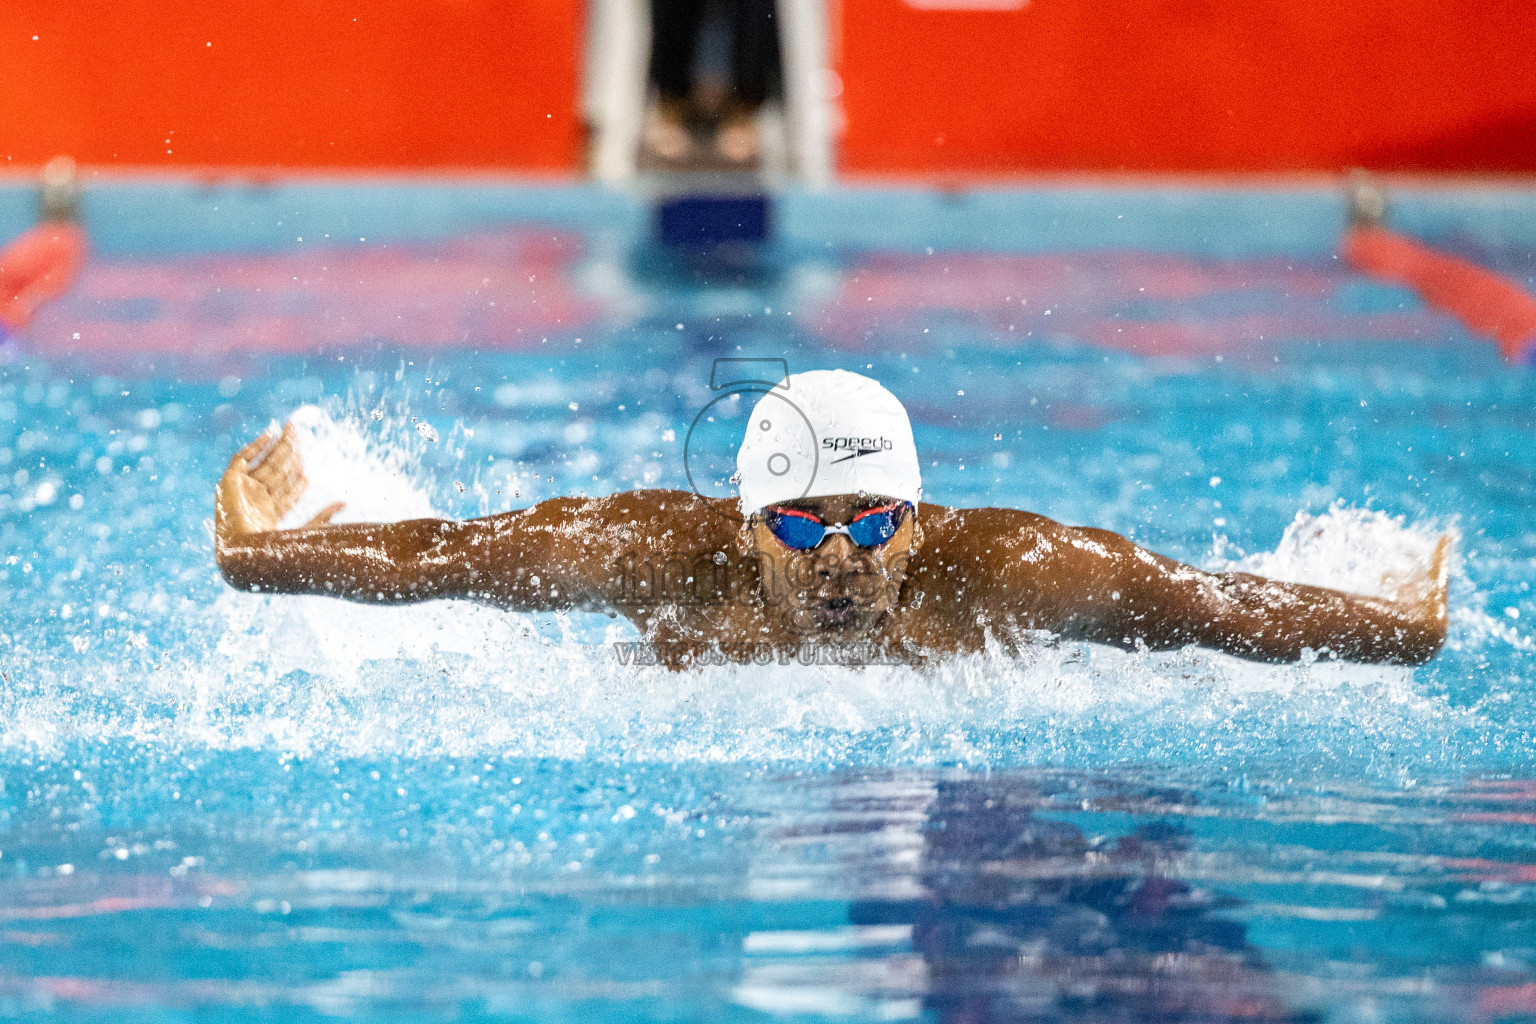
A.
x: 574, y: 531
x: 994, y: 550
x: 663, y: 510
x: 1002, y: 561
x: 985, y: 528
x: 655, y: 518
x: 620, y: 507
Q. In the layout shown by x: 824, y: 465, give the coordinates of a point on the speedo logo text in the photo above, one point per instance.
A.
x: 857, y: 445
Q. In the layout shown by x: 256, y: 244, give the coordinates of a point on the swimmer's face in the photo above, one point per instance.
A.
x: 836, y: 588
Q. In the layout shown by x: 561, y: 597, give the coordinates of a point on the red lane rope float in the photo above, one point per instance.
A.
x: 37, y: 267
x: 1485, y: 302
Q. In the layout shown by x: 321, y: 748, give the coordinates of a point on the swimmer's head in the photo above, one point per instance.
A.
x: 831, y: 447
x: 824, y: 433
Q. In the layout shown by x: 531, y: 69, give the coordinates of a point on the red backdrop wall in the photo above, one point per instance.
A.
x: 1056, y: 85
x: 320, y: 83
x: 1190, y: 85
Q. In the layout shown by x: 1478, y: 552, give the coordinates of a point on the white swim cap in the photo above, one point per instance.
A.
x: 826, y: 432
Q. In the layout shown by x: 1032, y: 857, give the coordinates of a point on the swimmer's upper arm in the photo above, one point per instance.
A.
x: 570, y: 553
x: 1046, y: 575
x: 552, y: 556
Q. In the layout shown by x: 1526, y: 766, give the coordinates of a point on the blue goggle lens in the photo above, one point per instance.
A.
x: 876, y: 526
x: 795, y: 529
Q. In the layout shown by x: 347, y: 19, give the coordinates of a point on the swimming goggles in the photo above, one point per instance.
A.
x: 803, y: 531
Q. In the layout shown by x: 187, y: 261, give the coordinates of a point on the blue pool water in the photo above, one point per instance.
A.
x: 226, y: 806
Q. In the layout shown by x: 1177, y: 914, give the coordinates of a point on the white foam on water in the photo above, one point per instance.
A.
x: 1359, y: 550
x: 312, y: 675
x: 376, y: 484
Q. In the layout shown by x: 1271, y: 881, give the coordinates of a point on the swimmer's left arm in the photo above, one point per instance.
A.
x: 1096, y: 585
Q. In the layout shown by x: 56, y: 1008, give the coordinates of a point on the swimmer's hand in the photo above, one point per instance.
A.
x: 264, y: 481
x: 1428, y: 590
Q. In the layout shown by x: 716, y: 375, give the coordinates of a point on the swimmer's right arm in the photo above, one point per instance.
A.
x: 555, y: 555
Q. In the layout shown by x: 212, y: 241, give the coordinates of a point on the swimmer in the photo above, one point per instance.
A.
x: 829, y: 545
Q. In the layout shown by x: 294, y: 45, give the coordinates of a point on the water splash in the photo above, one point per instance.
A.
x: 1359, y: 550
x: 376, y: 481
